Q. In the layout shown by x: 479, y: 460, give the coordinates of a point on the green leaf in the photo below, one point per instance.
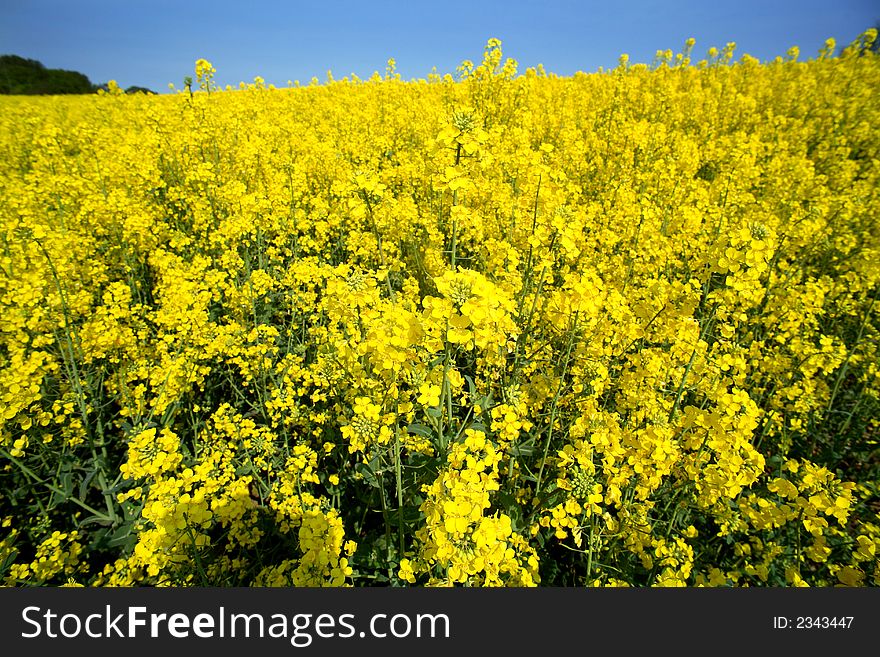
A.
x: 95, y: 520
x: 65, y: 483
x: 11, y: 556
x: 84, y: 485
x: 368, y: 475
x: 420, y: 430
x: 123, y: 538
x: 525, y: 448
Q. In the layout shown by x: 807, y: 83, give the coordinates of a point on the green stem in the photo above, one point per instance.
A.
x: 555, y: 403
x: 849, y: 355
x: 398, y: 473
x: 590, y: 553
x: 378, y: 237
x: 681, y: 385
x: 381, y: 480
x: 33, y: 476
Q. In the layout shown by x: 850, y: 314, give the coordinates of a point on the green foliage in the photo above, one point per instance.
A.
x: 28, y: 77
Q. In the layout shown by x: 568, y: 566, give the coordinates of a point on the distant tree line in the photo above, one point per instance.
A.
x: 29, y: 77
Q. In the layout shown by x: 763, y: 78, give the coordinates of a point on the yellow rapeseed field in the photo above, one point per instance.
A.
x: 501, y: 328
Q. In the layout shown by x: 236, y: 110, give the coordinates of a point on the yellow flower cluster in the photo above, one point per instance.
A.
x: 460, y: 543
x: 496, y: 328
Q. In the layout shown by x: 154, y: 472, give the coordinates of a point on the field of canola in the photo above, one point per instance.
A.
x: 494, y: 329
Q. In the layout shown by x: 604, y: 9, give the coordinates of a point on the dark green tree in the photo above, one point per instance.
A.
x: 28, y: 76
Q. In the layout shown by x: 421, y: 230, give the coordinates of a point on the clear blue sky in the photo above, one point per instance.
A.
x: 153, y: 42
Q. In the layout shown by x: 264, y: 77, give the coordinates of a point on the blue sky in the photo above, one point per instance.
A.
x: 152, y: 43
